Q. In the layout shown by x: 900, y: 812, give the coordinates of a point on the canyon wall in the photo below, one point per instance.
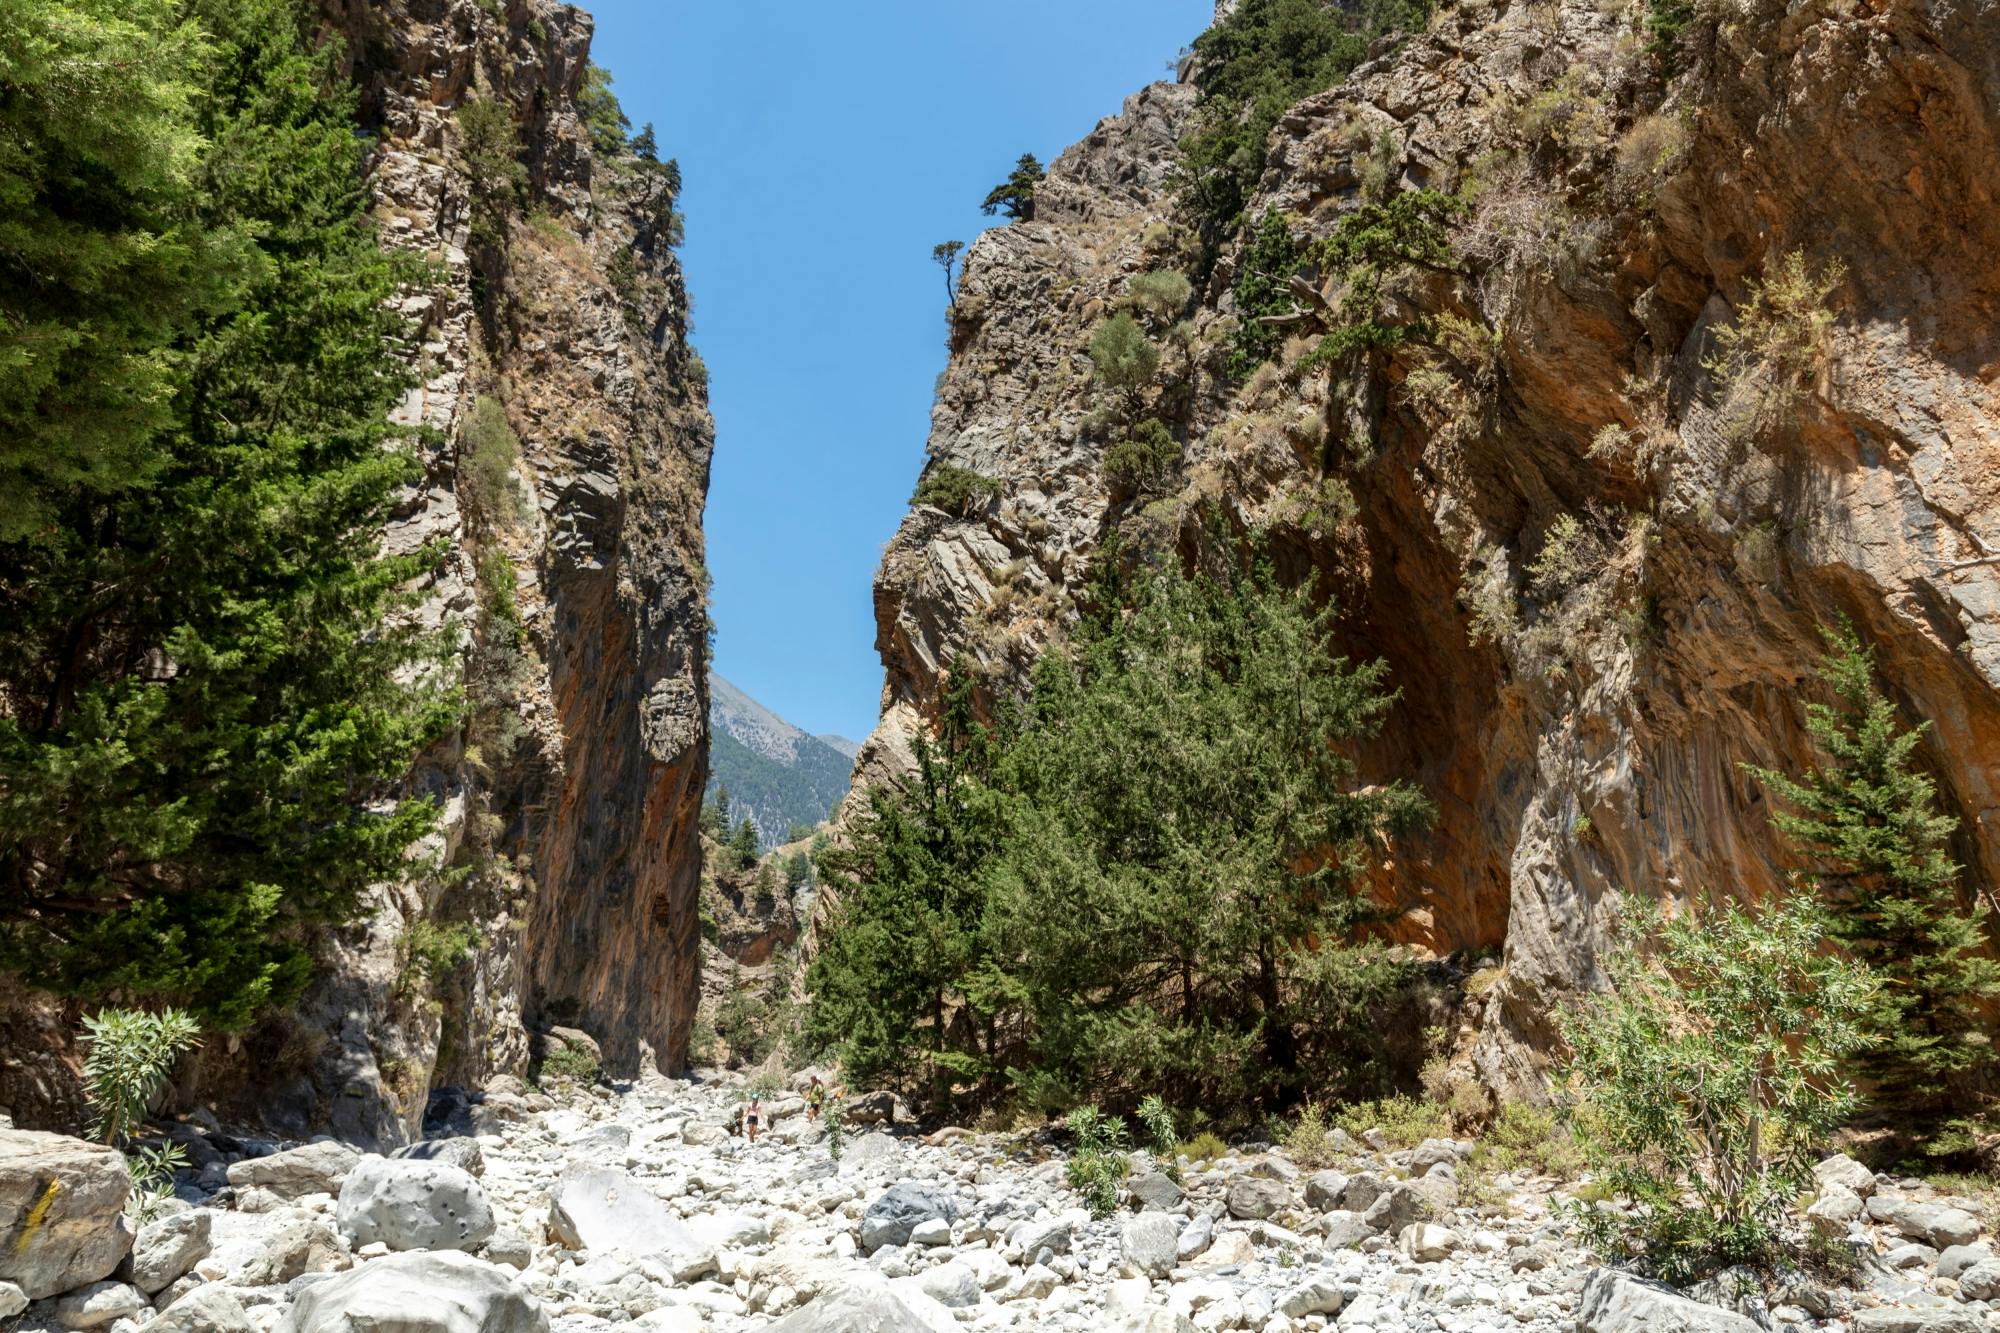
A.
x: 566, y: 440
x: 1593, y: 548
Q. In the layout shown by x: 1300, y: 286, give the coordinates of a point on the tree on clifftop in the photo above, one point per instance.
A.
x: 1015, y: 196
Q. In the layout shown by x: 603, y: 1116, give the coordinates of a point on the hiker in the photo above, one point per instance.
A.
x: 751, y: 1116
x: 815, y: 1095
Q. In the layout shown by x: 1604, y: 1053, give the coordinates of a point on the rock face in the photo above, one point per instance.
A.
x: 1594, y: 564
x: 61, y: 1212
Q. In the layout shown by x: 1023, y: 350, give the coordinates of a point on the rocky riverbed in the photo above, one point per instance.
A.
x: 640, y: 1206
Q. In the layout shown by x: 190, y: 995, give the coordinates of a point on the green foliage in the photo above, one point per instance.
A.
x: 1530, y: 1138
x: 153, y: 1173
x: 602, y: 116
x: 432, y: 950
x: 1161, y: 295
x: 488, y: 453
x: 1404, y: 1121
x: 1204, y: 1148
x: 1309, y: 1137
x: 1137, y: 879
x: 1779, y: 335
x: 570, y: 1060
x: 1666, y: 21
x: 206, y: 703
x: 1702, y: 1086
x: 491, y: 148
x: 1144, y: 457
x: 1161, y: 1135
x: 1868, y: 823
x: 652, y: 190
x: 1251, y: 68
x: 130, y: 1057
x: 945, y: 256
x: 1263, y: 289
x: 956, y: 490
x: 103, y: 264
x: 834, y: 1109
x: 1015, y: 196
x: 1098, y: 1160
x: 1374, y: 248
x: 798, y: 871
x: 1124, y: 358
x: 746, y: 844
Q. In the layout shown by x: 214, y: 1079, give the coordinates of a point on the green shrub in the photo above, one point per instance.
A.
x: 1263, y: 288
x: 598, y: 107
x: 573, y: 1061
x: 1529, y: 1138
x: 432, y: 949
x: 1771, y: 349
x: 129, y: 1058
x: 1144, y: 457
x: 1406, y: 1121
x: 1309, y: 1138
x: 1252, y: 67
x: 491, y: 148
x: 1098, y: 1160
x: 1703, y: 1085
x: 1124, y: 358
x: 956, y: 490
x: 488, y: 453
x: 1204, y: 1148
x: 1160, y: 295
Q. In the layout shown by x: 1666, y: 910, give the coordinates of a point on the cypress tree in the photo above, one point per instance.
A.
x: 207, y: 699
x: 1867, y: 821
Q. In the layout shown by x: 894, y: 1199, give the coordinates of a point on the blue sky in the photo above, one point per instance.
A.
x: 826, y: 148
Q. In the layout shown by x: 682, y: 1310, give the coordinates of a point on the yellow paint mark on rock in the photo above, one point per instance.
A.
x: 37, y: 1215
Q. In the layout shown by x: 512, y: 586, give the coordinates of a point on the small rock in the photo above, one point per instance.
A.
x: 1324, y: 1190
x: 168, y: 1248
x: 1958, y: 1258
x: 1316, y: 1296
x: 1427, y: 1242
x: 1844, y: 1171
x: 1981, y: 1282
x: 317, y: 1168
x: 209, y: 1308
x: 893, y: 1216
x: 1254, y: 1198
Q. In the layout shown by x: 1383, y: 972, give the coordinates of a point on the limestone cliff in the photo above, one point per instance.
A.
x: 1593, y: 548
x: 566, y: 446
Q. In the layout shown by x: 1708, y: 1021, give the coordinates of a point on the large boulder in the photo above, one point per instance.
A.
x: 1151, y: 1243
x: 62, y: 1212
x: 1842, y: 1170
x: 1936, y: 1224
x: 1615, y: 1302
x: 440, y: 1291
x: 413, y: 1205
x: 317, y: 1168
x: 1406, y: 1202
x: 1884, y: 1320
x: 209, y: 1308
x: 601, y: 1210
x: 901, y: 1210
x: 100, y: 1305
x: 1253, y: 1198
x: 862, y: 1307
x: 168, y: 1248
x: 463, y: 1153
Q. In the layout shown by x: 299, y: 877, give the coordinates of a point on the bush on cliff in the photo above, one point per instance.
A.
x: 205, y: 701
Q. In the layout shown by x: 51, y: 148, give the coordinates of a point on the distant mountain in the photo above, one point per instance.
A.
x: 847, y: 747
x: 776, y: 774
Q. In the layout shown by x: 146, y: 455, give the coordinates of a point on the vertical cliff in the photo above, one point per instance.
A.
x: 1593, y: 511
x: 566, y: 441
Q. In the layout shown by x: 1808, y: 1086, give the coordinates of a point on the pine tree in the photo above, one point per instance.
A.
x: 207, y: 699
x: 1868, y: 822
x: 746, y: 843
x: 1015, y: 196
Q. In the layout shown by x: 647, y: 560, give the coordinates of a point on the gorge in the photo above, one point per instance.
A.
x: 1595, y: 359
